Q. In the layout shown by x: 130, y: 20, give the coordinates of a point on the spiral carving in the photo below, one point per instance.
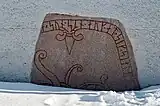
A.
x: 42, y: 54
x: 63, y: 34
x: 76, y: 67
x: 61, y: 37
x: 78, y: 37
x: 52, y: 78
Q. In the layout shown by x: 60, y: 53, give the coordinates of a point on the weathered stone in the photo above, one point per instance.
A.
x: 84, y: 52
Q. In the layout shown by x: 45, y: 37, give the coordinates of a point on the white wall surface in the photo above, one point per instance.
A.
x: 20, y: 22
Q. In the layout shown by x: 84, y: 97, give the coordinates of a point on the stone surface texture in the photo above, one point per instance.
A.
x: 84, y: 52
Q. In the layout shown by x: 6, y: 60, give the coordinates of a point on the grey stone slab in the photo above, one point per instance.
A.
x: 84, y: 52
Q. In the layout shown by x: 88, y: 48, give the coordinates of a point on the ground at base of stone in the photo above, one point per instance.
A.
x: 26, y: 94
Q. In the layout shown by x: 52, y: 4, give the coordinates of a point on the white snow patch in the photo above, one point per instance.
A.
x: 27, y: 94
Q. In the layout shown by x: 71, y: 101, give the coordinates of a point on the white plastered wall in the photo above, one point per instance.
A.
x: 20, y: 22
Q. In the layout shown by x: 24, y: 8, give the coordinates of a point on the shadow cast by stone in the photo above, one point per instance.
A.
x: 28, y: 88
